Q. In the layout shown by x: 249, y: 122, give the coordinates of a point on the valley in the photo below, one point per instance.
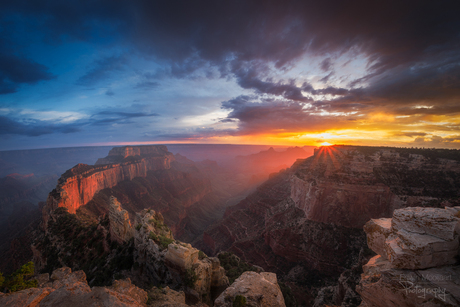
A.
x: 162, y: 219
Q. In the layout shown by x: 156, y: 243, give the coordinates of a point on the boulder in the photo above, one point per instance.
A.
x: 182, y: 255
x: 441, y: 223
x: 382, y: 285
x: 416, y: 238
x: 166, y: 298
x: 71, y: 289
x: 25, y: 298
x: 377, y: 231
x: 253, y: 289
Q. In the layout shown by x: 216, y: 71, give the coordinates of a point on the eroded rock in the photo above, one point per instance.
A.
x: 418, y: 238
x: 120, y: 225
x: 255, y: 289
x: 71, y: 289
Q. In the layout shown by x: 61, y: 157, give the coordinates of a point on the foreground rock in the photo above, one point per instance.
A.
x: 253, y: 290
x: 382, y: 285
x: 416, y: 238
x: 167, y: 261
x: 67, y: 288
x: 414, y: 267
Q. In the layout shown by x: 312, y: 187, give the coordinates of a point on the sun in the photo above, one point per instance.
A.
x: 326, y: 144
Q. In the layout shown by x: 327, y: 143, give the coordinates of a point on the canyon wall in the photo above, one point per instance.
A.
x: 347, y: 185
x: 307, y: 221
x: 77, y: 186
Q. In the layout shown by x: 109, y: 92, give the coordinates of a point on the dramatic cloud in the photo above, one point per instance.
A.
x: 33, y: 127
x: 271, y: 67
x: 15, y: 71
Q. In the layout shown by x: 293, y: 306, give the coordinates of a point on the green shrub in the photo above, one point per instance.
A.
x: 234, y: 266
x: 153, y: 236
x: 164, y: 242
x: 138, y: 226
x: 201, y: 255
x: 21, y: 279
x: 239, y: 301
x: 190, y: 277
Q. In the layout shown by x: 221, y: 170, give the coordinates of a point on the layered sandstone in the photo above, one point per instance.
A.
x: 347, y: 185
x: 416, y: 238
x: 252, y: 289
x: 309, y: 218
x: 416, y: 250
x: 77, y: 186
x: 120, y: 224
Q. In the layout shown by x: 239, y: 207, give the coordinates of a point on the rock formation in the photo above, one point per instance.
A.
x: 416, y: 238
x: 347, y: 185
x: 309, y: 218
x: 253, y: 290
x: 417, y: 249
x: 77, y: 186
x: 67, y: 288
x: 168, y: 261
x: 120, y: 225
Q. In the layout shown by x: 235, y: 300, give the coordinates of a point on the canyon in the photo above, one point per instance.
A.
x: 134, y: 213
x: 307, y: 220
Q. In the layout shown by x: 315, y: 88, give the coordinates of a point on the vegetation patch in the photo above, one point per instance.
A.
x: 190, y: 277
x: 19, y: 280
x: 239, y: 301
x: 234, y: 266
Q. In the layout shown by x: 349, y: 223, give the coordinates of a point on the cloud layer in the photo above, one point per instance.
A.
x: 296, y: 68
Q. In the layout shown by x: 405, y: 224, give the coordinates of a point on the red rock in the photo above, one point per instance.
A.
x: 77, y: 186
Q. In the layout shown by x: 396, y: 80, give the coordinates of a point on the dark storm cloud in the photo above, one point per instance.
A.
x: 257, y: 116
x: 247, y: 77
x: 34, y: 127
x: 102, y: 69
x: 412, y: 50
x: 15, y: 70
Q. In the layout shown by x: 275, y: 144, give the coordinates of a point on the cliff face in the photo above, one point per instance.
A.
x: 77, y: 186
x: 347, y: 186
x: 307, y: 220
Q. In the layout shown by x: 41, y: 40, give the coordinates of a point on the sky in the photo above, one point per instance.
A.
x: 79, y: 73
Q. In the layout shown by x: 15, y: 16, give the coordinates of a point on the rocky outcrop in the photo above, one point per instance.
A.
x: 416, y: 238
x: 119, y: 154
x: 67, y: 288
x: 347, y: 185
x: 417, y: 249
x: 77, y: 186
x: 167, y: 297
x: 168, y: 261
x: 254, y: 290
x: 120, y: 225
